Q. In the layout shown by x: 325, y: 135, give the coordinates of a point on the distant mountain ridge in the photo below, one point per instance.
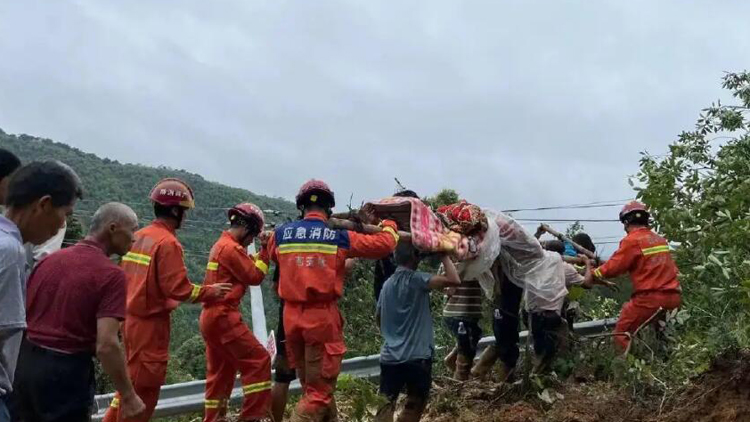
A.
x: 107, y: 180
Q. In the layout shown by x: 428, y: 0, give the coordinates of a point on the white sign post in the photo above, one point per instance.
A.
x: 256, y: 305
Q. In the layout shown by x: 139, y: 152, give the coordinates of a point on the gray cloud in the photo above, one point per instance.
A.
x: 514, y: 104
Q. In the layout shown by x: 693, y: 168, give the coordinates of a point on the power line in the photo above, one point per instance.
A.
x: 597, y: 204
x: 568, y: 220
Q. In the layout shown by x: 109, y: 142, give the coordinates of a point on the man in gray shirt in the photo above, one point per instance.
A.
x: 9, y: 163
x: 40, y: 196
x: 405, y: 321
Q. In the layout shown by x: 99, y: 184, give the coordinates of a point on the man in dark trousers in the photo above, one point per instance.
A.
x: 75, y: 303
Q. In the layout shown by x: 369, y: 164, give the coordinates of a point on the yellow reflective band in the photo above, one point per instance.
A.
x: 256, y: 388
x: 212, y: 266
x: 212, y: 404
x: 308, y: 248
x: 216, y: 403
x: 115, y: 403
x: 598, y: 273
x: 262, y: 266
x: 137, y: 258
x: 655, y: 250
x: 194, y: 294
x: 392, y: 232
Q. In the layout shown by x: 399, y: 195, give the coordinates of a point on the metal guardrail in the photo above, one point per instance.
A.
x: 187, y: 397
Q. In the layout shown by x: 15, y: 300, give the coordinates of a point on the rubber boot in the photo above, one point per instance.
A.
x: 484, y: 364
x: 385, y: 413
x: 268, y: 419
x: 333, y: 412
x: 506, y: 373
x: 463, y: 368
x: 413, y: 409
x: 450, y: 360
x: 317, y: 416
x: 279, y: 395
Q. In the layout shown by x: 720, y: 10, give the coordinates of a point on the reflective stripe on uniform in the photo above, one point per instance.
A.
x: 655, y: 249
x: 137, y: 258
x: 212, y: 266
x: 308, y: 247
x: 392, y: 232
x: 262, y: 266
x: 598, y: 273
x: 212, y: 404
x: 115, y: 403
x: 256, y: 388
x: 194, y: 294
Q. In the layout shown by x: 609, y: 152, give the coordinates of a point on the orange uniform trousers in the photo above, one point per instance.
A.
x: 147, y: 352
x: 230, y: 348
x: 315, y: 347
x: 639, y: 309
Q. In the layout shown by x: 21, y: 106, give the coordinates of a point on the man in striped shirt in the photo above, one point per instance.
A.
x: 462, y: 314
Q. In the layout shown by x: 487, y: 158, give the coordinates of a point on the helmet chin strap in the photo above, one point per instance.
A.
x: 179, y: 214
x: 244, y: 240
x: 249, y: 233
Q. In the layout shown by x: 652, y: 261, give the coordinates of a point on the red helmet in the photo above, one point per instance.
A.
x: 248, y: 212
x: 312, y: 190
x: 631, y: 207
x: 172, y: 192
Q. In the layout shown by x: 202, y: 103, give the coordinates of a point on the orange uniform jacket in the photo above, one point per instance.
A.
x: 228, y: 262
x: 645, y: 255
x: 313, y: 257
x: 157, y: 277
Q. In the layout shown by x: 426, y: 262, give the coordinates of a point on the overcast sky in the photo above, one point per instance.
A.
x: 514, y: 104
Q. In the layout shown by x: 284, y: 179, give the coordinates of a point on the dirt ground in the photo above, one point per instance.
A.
x: 722, y: 394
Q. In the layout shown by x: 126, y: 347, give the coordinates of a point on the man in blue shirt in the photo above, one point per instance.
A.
x: 405, y: 321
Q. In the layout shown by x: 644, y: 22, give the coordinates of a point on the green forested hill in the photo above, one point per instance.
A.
x: 107, y: 180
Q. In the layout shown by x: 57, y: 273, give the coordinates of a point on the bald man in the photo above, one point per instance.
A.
x: 75, y: 303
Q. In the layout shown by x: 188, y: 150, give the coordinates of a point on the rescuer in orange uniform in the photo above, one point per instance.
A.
x: 311, y: 259
x: 157, y: 283
x: 230, y: 345
x: 645, y: 255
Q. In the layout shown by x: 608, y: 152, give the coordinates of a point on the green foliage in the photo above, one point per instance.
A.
x: 106, y: 180
x: 73, y: 232
x: 191, y: 356
x: 574, y: 229
x: 699, y: 196
x: 444, y: 197
x: 358, y: 397
x: 361, y: 332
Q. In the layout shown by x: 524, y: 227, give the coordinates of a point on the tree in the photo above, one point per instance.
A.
x: 74, y: 231
x: 444, y: 197
x: 574, y: 229
x: 699, y: 196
